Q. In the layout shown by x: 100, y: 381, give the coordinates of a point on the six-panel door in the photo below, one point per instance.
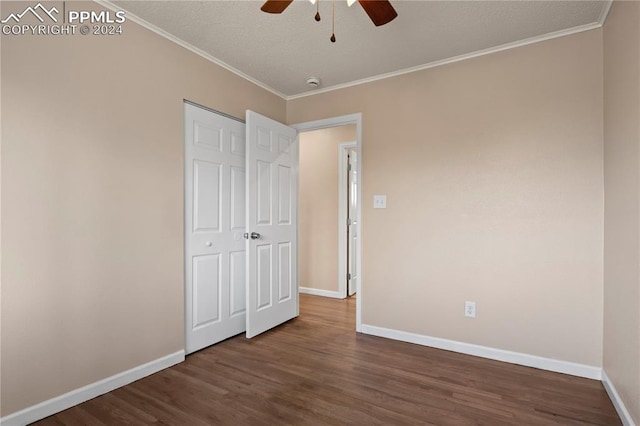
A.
x: 272, y: 190
x: 215, y: 256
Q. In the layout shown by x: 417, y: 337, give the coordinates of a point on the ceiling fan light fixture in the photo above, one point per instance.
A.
x: 380, y: 11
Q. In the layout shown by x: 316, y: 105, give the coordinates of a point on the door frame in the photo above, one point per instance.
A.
x: 343, y: 182
x: 336, y: 122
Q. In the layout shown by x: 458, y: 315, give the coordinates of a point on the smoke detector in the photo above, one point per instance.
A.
x: 313, y: 81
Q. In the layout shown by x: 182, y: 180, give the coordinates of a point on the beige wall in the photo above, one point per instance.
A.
x: 622, y: 202
x: 92, y: 208
x: 493, y: 173
x: 492, y: 167
x: 318, y: 206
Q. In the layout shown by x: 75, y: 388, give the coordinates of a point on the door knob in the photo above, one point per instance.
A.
x: 255, y: 236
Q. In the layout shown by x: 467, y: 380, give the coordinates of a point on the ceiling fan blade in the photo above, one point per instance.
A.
x: 275, y: 6
x: 380, y: 11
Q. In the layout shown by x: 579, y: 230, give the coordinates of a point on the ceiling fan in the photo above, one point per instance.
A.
x: 380, y: 11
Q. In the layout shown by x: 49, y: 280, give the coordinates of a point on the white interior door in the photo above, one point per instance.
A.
x: 352, y: 231
x: 272, y: 205
x: 215, y: 261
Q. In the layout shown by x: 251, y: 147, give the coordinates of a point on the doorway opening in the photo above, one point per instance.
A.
x: 329, y: 208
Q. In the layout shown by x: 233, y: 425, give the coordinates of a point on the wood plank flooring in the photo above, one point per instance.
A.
x: 315, y: 370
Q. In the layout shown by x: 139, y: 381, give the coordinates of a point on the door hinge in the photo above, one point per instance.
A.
x: 349, y: 168
x: 348, y: 277
x: 348, y: 222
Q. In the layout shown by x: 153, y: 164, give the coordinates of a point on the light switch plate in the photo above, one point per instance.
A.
x: 379, y: 201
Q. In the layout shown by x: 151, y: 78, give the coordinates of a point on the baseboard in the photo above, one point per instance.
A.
x: 85, y: 393
x: 319, y: 292
x: 549, y: 364
x: 624, y: 414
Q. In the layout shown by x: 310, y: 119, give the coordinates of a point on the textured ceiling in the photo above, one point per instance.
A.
x: 281, y: 51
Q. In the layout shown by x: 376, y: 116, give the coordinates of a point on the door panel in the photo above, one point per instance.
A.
x: 263, y: 275
x: 284, y: 195
x: 207, y: 135
x: 272, y: 188
x: 237, y: 271
x: 206, y: 196
x: 215, y: 220
x: 284, y: 272
x: 206, y: 289
x: 263, y: 188
x: 238, y: 186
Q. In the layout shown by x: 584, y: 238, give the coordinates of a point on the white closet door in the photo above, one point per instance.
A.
x: 215, y: 257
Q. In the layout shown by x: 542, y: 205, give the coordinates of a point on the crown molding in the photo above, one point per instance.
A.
x: 532, y: 40
x: 434, y: 64
x: 145, y: 24
x: 605, y: 12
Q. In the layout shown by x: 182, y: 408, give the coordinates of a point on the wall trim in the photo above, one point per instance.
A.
x: 320, y: 292
x: 446, y: 61
x: 149, y: 26
x: 543, y: 37
x: 90, y: 391
x: 566, y: 367
x: 624, y: 414
x: 605, y: 12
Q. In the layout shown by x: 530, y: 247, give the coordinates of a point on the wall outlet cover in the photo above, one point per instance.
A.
x: 379, y: 201
x: 470, y: 309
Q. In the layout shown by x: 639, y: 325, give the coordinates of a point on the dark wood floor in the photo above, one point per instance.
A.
x: 316, y: 370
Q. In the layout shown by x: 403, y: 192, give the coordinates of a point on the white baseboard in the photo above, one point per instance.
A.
x: 319, y: 292
x: 624, y: 414
x: 85, y: 393
x: 549, y: 364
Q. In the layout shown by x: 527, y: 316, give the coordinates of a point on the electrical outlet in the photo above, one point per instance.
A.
x: 470, y: 309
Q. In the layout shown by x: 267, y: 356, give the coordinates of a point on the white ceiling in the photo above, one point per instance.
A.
x: 281, y: 51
